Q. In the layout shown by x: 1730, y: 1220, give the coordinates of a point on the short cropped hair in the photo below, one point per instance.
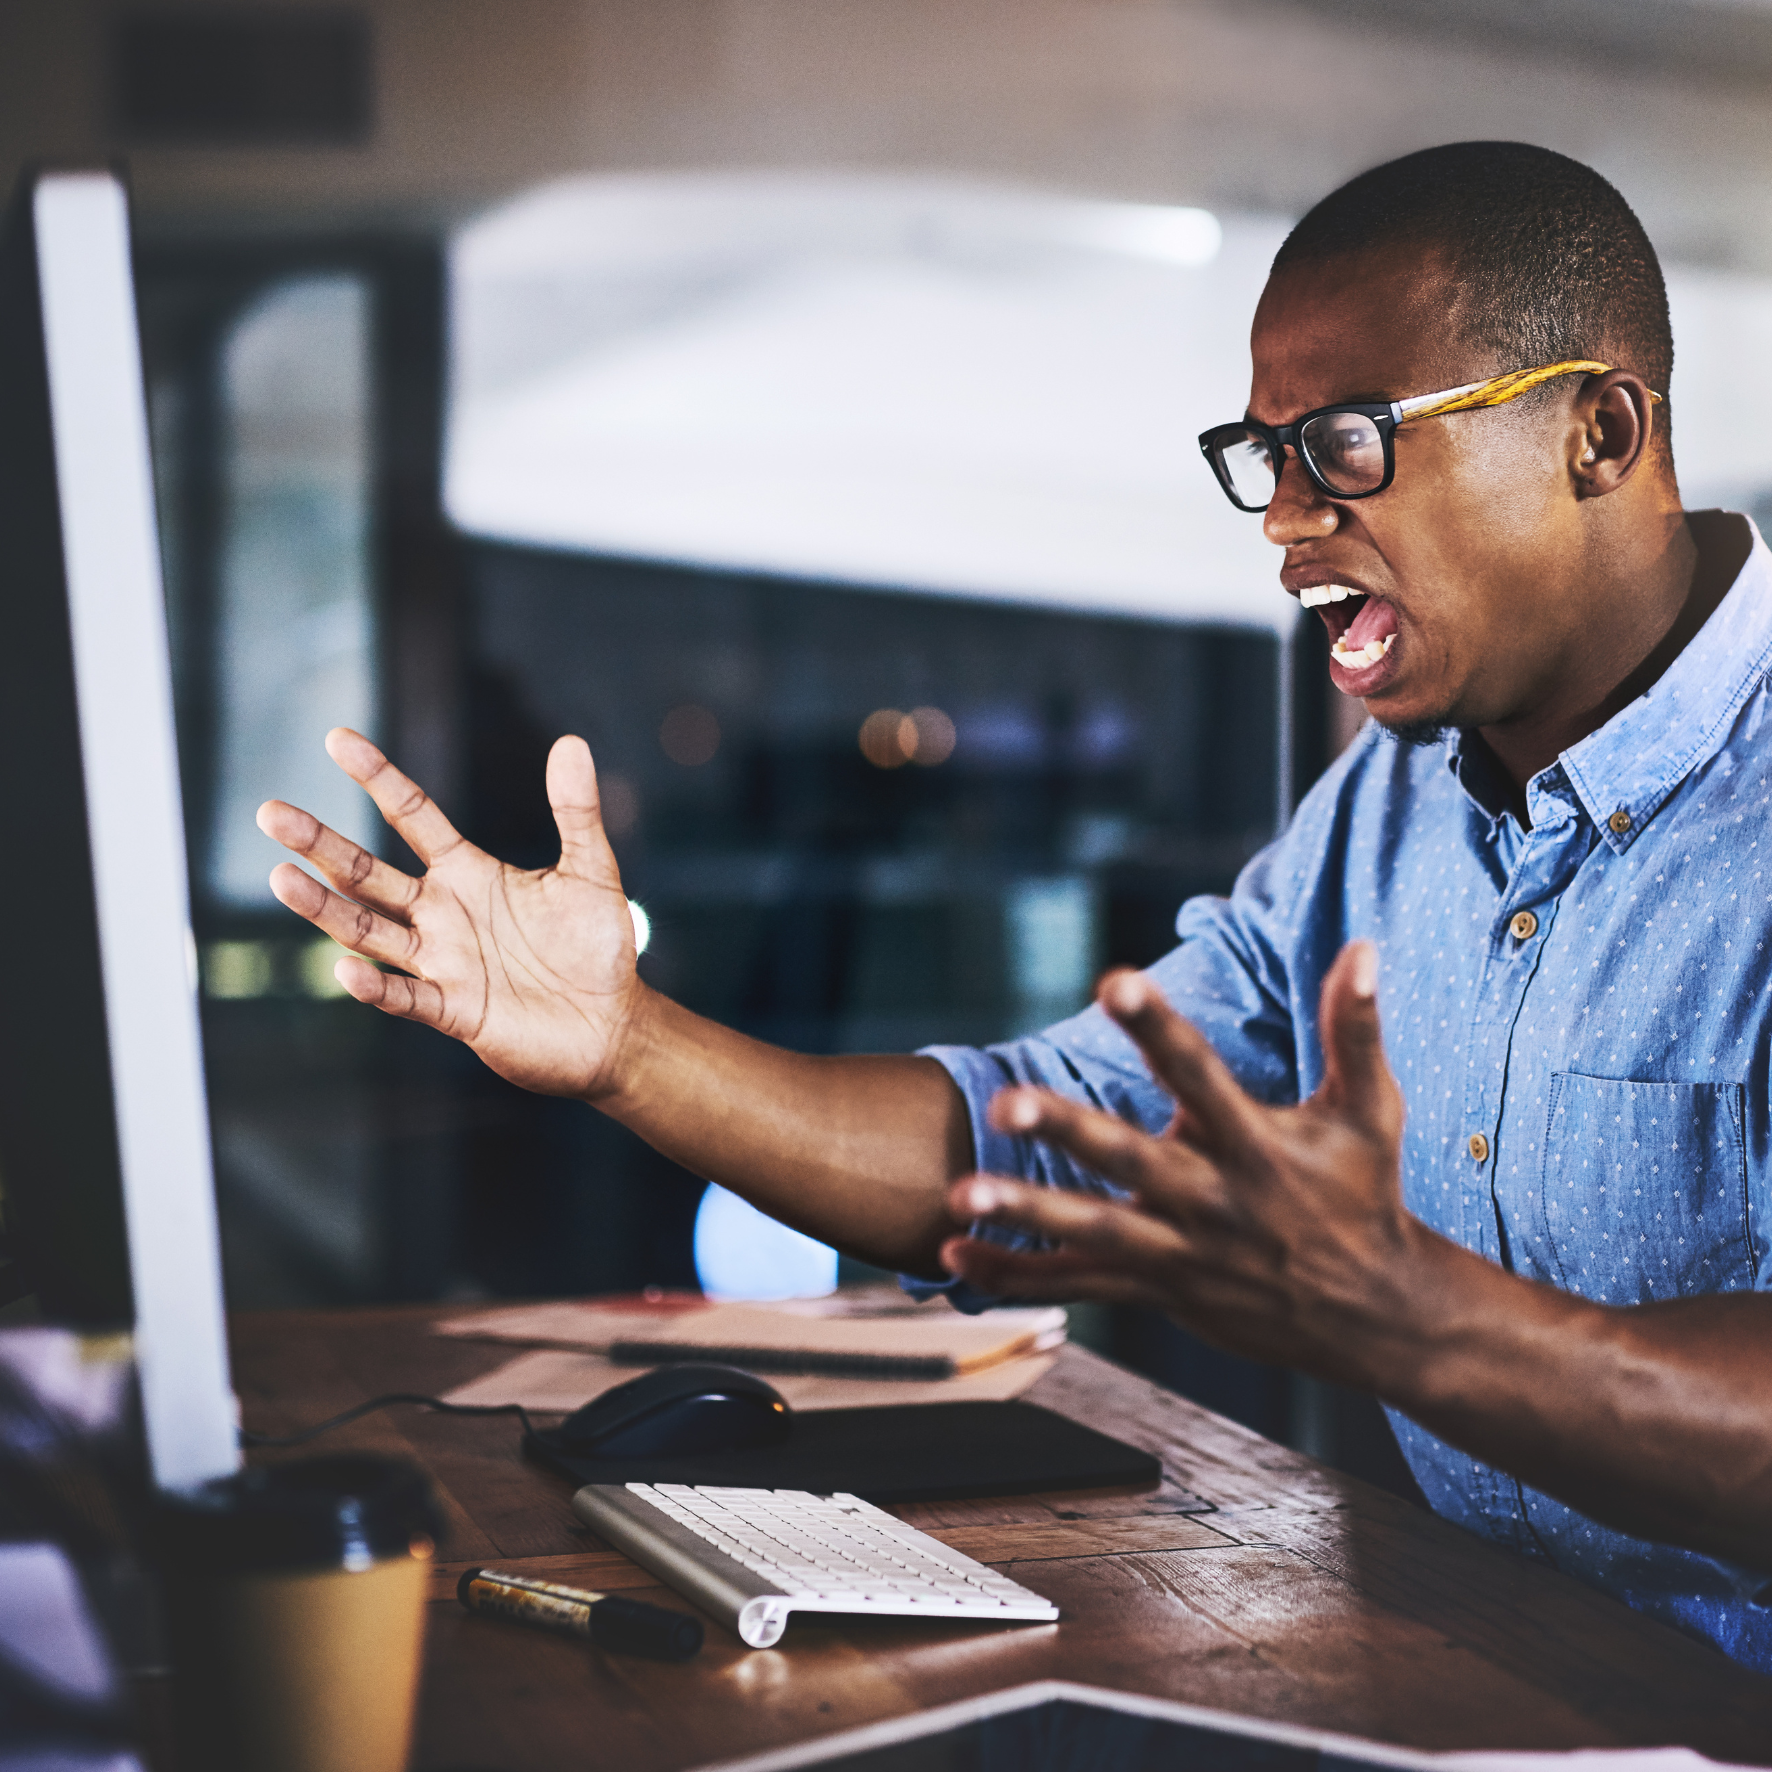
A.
x: 1551, y: 260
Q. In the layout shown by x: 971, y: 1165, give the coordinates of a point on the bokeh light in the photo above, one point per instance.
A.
x: 932, y: 736
x: 890, y: 738
x: 741, y: 1253
x: 620, y: 800
x: 882, y: 738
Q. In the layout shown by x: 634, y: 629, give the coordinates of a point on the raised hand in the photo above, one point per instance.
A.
x: 534, y: 971
x: 1277, y: 1232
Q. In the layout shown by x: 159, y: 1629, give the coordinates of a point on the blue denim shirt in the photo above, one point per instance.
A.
x: 1613, y: 1050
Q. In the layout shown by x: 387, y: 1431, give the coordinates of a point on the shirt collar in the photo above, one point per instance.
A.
x: 1625, y: 771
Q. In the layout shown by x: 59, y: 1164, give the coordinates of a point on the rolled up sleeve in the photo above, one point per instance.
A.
x: 1227, y: 976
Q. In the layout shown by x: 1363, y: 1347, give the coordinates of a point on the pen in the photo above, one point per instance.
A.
x: 622, y: 1626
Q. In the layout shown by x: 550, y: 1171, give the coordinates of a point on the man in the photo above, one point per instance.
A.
x: 1542, y: 862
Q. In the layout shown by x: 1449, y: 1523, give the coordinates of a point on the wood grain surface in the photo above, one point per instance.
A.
x: 1251, y: 1579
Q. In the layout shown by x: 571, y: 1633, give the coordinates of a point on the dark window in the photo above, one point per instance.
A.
x: 276, y: 78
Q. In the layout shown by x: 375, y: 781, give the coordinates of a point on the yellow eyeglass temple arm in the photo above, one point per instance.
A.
x: 1498, y: 390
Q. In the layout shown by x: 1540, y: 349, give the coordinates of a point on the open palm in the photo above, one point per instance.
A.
x: 533, y: 970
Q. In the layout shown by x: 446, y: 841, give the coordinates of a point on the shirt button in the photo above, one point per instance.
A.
x: 1524, y: 926
x: 1620, y: 821
x: 1479, y: 1148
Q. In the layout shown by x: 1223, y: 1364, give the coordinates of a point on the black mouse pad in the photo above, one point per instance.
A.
x: 899, y: 1452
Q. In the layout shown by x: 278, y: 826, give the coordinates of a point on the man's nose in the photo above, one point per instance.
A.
x: 1299, y: 512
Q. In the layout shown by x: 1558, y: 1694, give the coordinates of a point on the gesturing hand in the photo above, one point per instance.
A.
x: 534, y: 971
x: 1279, y: 1233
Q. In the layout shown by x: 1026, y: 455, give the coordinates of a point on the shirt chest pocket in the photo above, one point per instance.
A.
x: 1644, y: 1190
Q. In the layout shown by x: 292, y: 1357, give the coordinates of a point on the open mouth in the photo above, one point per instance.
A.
x: 1362, y: 629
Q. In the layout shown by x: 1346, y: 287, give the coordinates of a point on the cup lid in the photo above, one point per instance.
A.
x: 347, y: 1510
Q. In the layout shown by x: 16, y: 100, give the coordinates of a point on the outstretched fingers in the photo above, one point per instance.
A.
x: 1181, y: 1058
x: 1357, y: 1077
x: 353, y: 926
x: 1060, y: 1275
x: 401, y: 801
x: 412, y: 999
x: 1108, y: 1233
x: 1164, y: 1173
x: 348, y: 867
x: 578, y: 810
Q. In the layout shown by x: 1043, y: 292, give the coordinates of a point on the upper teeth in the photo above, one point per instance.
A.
x: 1314, y: 595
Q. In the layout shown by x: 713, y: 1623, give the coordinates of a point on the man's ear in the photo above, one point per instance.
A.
x: 1615, y: 424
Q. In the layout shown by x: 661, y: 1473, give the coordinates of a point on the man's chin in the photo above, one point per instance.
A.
x: 1429, y: 731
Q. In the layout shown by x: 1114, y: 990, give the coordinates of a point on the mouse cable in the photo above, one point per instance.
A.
x: 306, y: 1434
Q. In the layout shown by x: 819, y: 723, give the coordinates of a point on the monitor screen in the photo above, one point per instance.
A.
x: 1054, y: 1726
x: 104, y: 1133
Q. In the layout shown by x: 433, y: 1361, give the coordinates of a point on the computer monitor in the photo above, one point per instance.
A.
x: 104, y: 1129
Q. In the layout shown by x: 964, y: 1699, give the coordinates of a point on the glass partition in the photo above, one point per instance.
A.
x: 294, y: 614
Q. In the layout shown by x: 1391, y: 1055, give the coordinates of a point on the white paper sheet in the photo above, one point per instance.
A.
x: 555, y: 1381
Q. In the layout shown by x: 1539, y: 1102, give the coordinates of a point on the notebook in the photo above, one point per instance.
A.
x: 558, y: 1380
x: 880, y: 1335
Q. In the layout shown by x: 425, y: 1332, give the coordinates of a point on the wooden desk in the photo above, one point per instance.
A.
x: 1300, y: 1595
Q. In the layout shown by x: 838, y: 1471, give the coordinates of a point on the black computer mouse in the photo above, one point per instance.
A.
x: 677, y: 1411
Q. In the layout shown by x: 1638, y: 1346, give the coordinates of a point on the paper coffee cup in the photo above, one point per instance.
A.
x: 295, y: 1605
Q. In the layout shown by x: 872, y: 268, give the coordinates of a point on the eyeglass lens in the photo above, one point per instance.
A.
x: 1248, y: 467
x: 1346, y: 450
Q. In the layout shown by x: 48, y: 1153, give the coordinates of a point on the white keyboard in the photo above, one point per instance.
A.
x: 749, y: 1557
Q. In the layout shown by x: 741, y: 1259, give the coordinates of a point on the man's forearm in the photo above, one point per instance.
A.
x: 534, y: 971
x: 1654, y: 1419
x: 856, y: 1151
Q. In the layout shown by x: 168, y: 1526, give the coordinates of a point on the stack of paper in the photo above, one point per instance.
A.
x: 869, y: 1346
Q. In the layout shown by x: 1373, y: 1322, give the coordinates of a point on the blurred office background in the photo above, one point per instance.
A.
x: 796, y: 398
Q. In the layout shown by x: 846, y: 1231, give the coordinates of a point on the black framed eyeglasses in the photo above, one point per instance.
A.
x: 1349, y: 450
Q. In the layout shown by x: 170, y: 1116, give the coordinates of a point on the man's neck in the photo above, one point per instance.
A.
x: 1672, y: 602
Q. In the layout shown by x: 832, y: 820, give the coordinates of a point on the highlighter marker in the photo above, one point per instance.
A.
x: 619, y: 1625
